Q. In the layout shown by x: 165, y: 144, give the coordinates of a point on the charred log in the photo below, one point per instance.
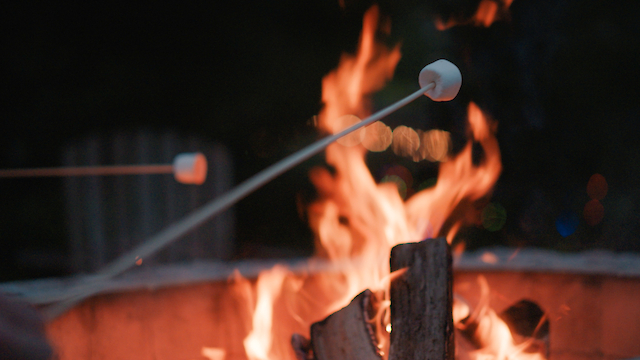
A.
x: 525, y: 321
x: 302, y: 347
x: 421, y: 302
x: 528, y: 323
x: 345, y: 334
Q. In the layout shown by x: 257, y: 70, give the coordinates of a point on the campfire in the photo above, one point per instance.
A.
x: 369, y: 308
x: 380, y: 284
x: 386, y: 291
x: 386, y: 288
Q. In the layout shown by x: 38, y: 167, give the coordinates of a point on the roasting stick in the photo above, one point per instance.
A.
x: 440, y: 81
x: 187, y: 168
x: 88, y: 171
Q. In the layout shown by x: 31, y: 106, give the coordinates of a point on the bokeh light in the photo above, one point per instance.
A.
x: 494, y: 216
x: 567, y: 223
x: 377, y: 137
x: 489, y: 258
x: 401, y: 172
x: 593, y: 212
x: 597, y: 187
x: 405, y: 141
x: 353, y: 138
x: 458, y: 249
x: 402, y: 186
x: 435, y: 145
x: 419, y: 154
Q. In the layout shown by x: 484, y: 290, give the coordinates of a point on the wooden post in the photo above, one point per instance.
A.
x: 421, y: 302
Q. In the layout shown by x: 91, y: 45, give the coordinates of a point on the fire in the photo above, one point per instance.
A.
x: 440, y: 211
x: 488, y: 11
x: 485, y: 329
x: 356, y: 221
x: 258, y: 342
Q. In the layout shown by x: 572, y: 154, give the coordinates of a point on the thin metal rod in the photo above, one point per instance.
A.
x: 221, y: 203
x: 88, y: 171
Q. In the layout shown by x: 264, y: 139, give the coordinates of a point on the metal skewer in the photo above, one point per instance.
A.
x: 88, y: 171
x: 187, y: 168
x: 223, y: 202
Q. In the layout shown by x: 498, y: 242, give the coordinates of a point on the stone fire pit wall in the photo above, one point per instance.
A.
x: 172, y: 312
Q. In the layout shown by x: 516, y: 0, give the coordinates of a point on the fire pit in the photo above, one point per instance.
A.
x: 245, y: 310
x: 173, y: 312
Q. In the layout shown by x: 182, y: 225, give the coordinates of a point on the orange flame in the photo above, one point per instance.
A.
x: 258, y: 343
x: 356, y: 221
x: 488, y: 11
x: 489, y: 332
x: 441, y: 210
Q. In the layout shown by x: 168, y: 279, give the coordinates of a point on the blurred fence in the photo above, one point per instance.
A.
x: 108, y: 215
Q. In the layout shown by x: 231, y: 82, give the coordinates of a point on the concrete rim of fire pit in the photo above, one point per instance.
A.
x: 595, y: 262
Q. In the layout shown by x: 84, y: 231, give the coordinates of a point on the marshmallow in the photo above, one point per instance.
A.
x: 447, y: 79
x: 190, y: 168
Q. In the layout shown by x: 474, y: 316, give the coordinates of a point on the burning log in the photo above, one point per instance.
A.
x: 421, y: 302
x: 302, y: 347
x: 345, y: 334
x: 529, y: 325
x: 421, y: 313
x: 523, y: 328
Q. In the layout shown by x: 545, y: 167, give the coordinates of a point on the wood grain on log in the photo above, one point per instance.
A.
x: 421, y: 302
x: 345, y: 333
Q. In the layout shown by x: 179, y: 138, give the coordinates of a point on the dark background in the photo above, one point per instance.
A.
x: 560, y: 77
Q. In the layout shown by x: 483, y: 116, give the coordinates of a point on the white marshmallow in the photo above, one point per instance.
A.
x: 190, y: 168
x: 446, y: 77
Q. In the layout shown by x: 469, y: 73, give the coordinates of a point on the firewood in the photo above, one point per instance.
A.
x: 302, y: 347
x: 528, y: 322
x: 345, y: 334
x: 421, y: 302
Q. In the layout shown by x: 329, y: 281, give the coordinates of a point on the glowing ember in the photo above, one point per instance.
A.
x: 356, y: 221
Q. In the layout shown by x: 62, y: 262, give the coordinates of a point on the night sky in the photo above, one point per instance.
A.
x: 560, y: 77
